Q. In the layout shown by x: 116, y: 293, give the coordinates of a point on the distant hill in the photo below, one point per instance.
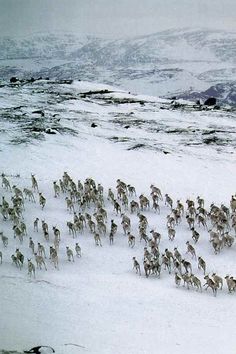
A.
x: 175, y: 62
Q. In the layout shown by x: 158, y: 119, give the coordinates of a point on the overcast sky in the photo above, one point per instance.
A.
x: 114, y: 18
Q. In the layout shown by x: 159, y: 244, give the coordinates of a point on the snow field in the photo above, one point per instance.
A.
x: 98, y: 302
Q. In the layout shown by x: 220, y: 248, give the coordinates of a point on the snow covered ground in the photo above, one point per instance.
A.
x: 98, y: 304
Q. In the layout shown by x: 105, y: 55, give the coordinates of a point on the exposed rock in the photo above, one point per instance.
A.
x: 39, y: 112
x: 211, y: 101
x: 14, y: 79
x: 50, y: 131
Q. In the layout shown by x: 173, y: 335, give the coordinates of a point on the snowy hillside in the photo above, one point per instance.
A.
x: 225, y: 93
x: 166, y: 63
x: 98, y: 304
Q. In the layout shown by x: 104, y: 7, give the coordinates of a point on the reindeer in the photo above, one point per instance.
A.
x: 144, y: 202
x: 5, y: 182
x: 101, y: 228
x: 190, y: 203
x: 156, y: 237
x: 216, y: 244
x: 131, y: 190
x: 177, y: 216
x: 23, y: 228
x: 69, y: 205
x: 171, y: 233
x: 31, y: 268
x: 44, y: 225
x: 170, y: 221
x: 228, y: 239
x: 143, y: 236
x: 56, y: 188
x: 78, y: 250
x: 155, y: 267
x: 16, y: 261
x: 111, y: 195
x: 41, y: 250
x: 42, y: 200
x: 156, y: 206
x: 4, y: 211
x: 201, y: 220
x: 57, y: 233
x: 190, y: 220
x: 36, y: 224
x: 178, y: 279
x: 126, y: 227
x: 210, y: 284
x: 187, y: 266
x: 72, y: 228
x: 233, y: 204
x: 39, y: 261
x: 54, y: 257
x: 97, y: 240
x: 20, y: 256
x: 34, y: 183
x: 136, y: 266
x: 177, y: 255
x: 69, y: 254
x: 168, y: 201
x: 166, y: 261
x: 125, y: 219
x: 113, y: 227
x: 4, y: 239
x: 29, y: 194
x: 196, y: 282
x: 131, y: 240
x: 134, y: 207
x: 180, y: 207
x: 202, y: 264
x: 156, y: 190
x: 218, y: 280
x: 31, y: 244
x: 200, y: 202
x: 117, y: 207
x: 18, y: 233
x: 177, y: 265
x: 191, y: 250
x: 91, y: 225
x: 147, y: 268
x: 195, y: 235
x: 111, y: 238
x: 231, y: 283
x: 187, y: 279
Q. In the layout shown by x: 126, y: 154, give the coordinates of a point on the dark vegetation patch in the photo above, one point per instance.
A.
x: 215, y: 140
x: 137, y: 147
x: 96, y: 92
x: 119, y: 139
x: 177, y: 131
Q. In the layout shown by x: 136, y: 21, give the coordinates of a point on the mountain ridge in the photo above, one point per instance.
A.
x: 165, y: 63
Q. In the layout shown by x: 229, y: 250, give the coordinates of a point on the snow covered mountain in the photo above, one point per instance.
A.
x: 166, y: 63
x: 224, y: 93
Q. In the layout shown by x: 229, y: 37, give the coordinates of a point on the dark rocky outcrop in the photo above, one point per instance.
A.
x: 211, y: 101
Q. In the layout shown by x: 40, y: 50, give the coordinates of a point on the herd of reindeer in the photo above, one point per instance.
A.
x: 89, y: 206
